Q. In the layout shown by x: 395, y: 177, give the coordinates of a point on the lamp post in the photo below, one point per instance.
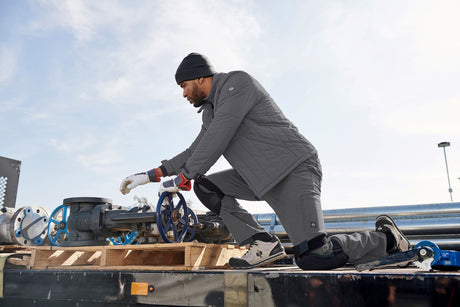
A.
x: 444, y: 145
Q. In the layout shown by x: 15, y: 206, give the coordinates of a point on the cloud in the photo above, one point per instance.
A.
x: 435, y: 118
x: 8, y: 64
x: 435, y: 29
x: 81, y: 18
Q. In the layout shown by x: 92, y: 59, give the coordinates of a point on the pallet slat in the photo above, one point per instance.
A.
x: 170, y: 256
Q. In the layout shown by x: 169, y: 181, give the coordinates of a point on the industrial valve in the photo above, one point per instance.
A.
x: 91, y: 221
x: 25, y: 226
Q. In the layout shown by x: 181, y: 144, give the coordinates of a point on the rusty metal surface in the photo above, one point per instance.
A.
x: 272, y: 286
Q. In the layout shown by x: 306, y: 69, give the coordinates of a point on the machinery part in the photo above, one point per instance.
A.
x: 58, y: 230
x: 124, y: 240
x: 172, y: 218
x: 30, y: 225
x: 57, y: 227
x: 449, y: 261
x: 418, y: 254
x: 192, y: 221
x: 86, y: 221
x: 6, y: 218
x: 211, y: 229
x: 425, y: 264
x: 443, y: 260
x: 9, y: 179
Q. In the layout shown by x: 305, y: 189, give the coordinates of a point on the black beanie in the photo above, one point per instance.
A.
x: 194, y: 66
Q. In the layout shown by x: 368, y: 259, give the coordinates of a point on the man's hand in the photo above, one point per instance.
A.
x: 133, y: 181
x: 180, y: 183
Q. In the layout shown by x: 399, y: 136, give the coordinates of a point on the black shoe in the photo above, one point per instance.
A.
x: 385, y: 224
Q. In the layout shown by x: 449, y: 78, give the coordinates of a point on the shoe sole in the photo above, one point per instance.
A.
x: 272, y: 258
x: 394, y: 225
x: 401, y: 265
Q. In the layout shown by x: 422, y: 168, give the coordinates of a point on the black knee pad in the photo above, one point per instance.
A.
x: 310, y: 262
x: 208, y: 193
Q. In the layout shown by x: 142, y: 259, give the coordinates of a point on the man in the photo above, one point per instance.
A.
x: 271, y: 161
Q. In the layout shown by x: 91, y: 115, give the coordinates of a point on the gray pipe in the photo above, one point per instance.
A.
x: 439, y: 223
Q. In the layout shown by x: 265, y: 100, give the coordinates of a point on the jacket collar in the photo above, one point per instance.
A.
x: 208, y: 101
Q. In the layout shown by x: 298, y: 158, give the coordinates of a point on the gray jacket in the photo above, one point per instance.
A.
x: 242, y: 122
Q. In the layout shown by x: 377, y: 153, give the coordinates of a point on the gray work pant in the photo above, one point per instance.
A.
x: 296, y: 202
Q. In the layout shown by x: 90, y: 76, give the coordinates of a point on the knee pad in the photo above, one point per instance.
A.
x: 209, y: 194
x: 310, y: 261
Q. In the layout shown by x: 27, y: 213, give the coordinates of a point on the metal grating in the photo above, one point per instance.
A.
x: 3, y: 183
x: 9, y: 179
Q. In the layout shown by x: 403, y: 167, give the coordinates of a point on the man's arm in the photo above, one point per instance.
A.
x: 230, y: 110
x: 174, y: 165
x: 167, y: 168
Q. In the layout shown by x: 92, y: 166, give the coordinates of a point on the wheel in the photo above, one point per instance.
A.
x: 170, y: 217
x: 57, y: 226
x: 191, y: 221
x: 125, y: 240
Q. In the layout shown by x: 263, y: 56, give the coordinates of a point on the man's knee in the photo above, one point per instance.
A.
x: 335, y: 258
x: 209, y: 194
x: 311, y: 262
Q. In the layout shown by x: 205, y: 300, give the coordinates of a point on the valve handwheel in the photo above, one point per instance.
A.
x: 57, y: 226
x: 176, y: 218
x: 192, y: 220
x: 126, y: 239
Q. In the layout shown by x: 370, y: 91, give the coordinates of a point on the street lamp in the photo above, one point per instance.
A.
x: 444, y: 145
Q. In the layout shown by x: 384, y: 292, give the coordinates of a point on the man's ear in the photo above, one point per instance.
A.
x: 200, y: 80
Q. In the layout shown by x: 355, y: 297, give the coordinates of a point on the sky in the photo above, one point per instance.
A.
x: 88, y: 96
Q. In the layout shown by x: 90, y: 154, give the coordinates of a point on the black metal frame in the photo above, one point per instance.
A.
x: 268, y: 287
x: 10, y: 170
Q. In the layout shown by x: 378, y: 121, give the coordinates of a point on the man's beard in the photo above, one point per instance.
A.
x: 197, y: 97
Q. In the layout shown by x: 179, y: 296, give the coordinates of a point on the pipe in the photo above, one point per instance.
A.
x: 439, y: 223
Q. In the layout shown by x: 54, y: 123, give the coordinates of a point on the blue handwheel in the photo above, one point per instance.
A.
x: 125, y: 240
x: 191, y: 220
x: 170, y: 217
x: 57, y: 226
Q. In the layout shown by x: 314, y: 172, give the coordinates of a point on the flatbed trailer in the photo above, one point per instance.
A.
x: 26, y: 281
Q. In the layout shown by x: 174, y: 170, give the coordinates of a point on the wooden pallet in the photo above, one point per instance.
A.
x: 13, y: 248
x: 164, y: 256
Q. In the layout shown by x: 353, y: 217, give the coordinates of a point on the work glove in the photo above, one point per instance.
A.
x: 138, y: 179
x: 179, y: 183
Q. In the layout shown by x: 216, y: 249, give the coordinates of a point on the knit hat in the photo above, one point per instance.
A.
x: 194, y: 66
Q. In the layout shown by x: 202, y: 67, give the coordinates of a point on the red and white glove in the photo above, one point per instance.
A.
x: 138, y: 179
x: 179, y: 183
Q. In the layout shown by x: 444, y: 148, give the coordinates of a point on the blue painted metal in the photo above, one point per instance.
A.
x: 124, y: 240
x: 169, y: 217
x: 58, y: 219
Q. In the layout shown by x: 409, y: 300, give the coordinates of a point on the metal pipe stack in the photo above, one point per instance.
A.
x: 439, y: 223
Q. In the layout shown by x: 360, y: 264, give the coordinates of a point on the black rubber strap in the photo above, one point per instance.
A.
x: 309, y: 245
x: 202, y: 180
x: 336, y: 248
x: 163, y: 170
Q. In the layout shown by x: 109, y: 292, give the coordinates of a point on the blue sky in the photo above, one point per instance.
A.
x: 87, y: 91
